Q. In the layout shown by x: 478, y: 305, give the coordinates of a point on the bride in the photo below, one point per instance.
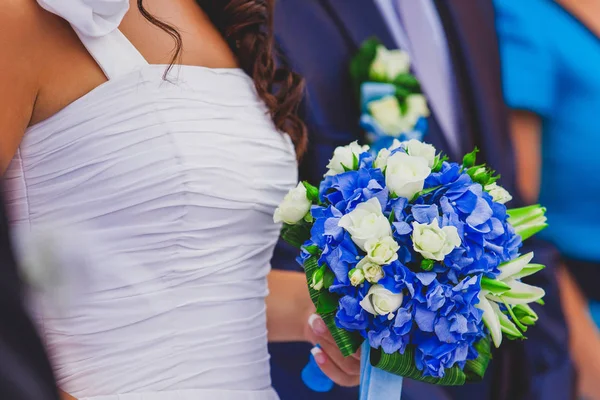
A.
x: 165, y: 167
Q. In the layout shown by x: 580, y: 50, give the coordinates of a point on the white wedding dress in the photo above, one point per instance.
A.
x: 160, y: 196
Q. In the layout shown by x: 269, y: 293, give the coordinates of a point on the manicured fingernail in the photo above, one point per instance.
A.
x: 318, y: 355
x: 317, y: 325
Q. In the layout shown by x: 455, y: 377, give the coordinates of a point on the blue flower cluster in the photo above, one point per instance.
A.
x: 438, y: 314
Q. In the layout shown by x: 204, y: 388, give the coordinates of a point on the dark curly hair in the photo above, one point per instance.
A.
x: 247, y: 26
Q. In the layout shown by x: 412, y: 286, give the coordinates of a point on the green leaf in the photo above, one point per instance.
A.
x: 296, y: 235
x: 310, y: 266
x: 529, y: 270
x: 347, y: 342
x: 475, y: 369
x: 392, y: 217
x: 494, y: 286
x: 346, y: 169
x: 403, y: 107
x: 518, y: 215
x: 427, y: 265
x: 480, y: 174
x: 528, y: 221
x: 506, y: 325
x: 408, y: 82
x: 541, y: 302
x: 360, y: 65
x: 328, y: 278
x: 527, y: 231
x: 490, y: 319
x: 404, y: 365
x: 312, y: 193
x: 313, y: 250
x: 470, y: 158
x: 438, y: 163
x: 525, y: 314
x: 354, y: 162
x: 401, y: 94
x: 515, y: 266
x: 514, y: 318
x: 328, y: 302
x: 425, y: 192
x: 308, y: 218
x: 522, y: 293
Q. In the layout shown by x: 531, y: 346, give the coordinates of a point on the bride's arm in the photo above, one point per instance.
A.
x: 291, y: 318
x: 288, y: 306
x: 20, y: 42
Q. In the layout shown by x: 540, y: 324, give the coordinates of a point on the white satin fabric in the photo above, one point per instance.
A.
x: 159, y: 198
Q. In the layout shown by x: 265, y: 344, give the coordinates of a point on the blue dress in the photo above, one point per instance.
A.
x: 551, y: 67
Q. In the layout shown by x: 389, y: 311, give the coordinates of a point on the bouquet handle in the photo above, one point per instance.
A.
x: 375, y: 383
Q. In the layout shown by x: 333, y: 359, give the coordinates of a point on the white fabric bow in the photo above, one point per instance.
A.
x: 89, y: 17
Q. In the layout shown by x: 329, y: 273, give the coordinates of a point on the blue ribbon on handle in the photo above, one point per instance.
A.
x: 314, y: 378
x: 375, y: 383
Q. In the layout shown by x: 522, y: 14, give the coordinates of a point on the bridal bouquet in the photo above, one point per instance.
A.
x: 415, y: 256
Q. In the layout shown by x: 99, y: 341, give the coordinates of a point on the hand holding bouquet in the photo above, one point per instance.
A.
x: 415, y: 256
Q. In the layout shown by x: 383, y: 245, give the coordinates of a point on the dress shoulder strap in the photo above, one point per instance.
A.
x: 96, y: 22
x: 114, y: 53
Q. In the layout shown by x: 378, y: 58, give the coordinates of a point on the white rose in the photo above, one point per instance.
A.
x: 388, y: 64
x: 380, y: 301
x: 498, y: 193
x: 405, y: 175
x: 386, y: 111
x: 343, y: 156
x: 416, y: 148
x: 294, y: 207
x: 372, y: 271
x: 395, y: 144
x: 366, y: 222
x: 383, y: 155
x: 383, y: 251
x: 433, y: 242
x: 357, y: 276
x: 381, y: 160
x: 416, y: 104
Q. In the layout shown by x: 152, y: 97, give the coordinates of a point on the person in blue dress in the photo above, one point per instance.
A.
x: 550, y: 54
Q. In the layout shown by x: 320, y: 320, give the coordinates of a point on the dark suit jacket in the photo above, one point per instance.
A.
x: 318, y: 38
x: 25, y: 372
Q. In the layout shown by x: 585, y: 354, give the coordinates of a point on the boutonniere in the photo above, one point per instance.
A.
x: 391, y: 101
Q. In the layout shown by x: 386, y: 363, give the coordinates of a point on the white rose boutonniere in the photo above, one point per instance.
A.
x: 387, y: 113
x: 388, y: 64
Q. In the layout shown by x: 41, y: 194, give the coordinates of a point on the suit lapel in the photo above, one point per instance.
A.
x: 470, y: 29
x: 361, y: 20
